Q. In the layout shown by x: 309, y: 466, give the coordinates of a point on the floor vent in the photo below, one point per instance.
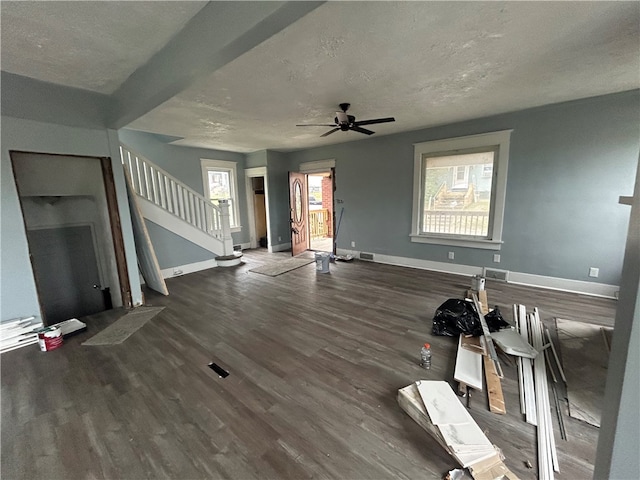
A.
x: 366, y: 256
x: 222, y: 373
x: 495, y: 274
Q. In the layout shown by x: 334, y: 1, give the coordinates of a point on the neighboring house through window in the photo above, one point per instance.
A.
x: 459, y: 190
x: 220, y: 183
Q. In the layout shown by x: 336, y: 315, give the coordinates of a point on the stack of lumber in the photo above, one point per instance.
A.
x: 437, y: 409
x: 18, y: 333
x: 474, y: 353
x: 534, y: 391
x: 526, y: 343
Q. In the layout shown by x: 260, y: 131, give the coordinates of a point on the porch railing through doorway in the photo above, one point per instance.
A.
x: 319, y: 221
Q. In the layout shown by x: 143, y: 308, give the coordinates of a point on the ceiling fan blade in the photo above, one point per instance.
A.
x: 355, y: 128
x: 330, y: 131
x: 376, y: 120
x: 317, y: 125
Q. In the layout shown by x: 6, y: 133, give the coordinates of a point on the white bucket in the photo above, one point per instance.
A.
x: 477, y: 283
x: 322, y: 262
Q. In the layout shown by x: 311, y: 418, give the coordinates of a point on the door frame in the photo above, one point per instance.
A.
x: 323, y: 166
x: 250, y: 173
x: 114, y: 222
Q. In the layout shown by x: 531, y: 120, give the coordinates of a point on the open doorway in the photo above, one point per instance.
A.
x: 321, y: 215
x: 72, y: 226
x: 258, y: 207
x: 311, y: 207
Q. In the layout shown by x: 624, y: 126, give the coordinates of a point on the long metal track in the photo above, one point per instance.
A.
x: 487, y: 336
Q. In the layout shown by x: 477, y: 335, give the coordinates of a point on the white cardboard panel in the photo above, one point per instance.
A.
x: 468, y: 367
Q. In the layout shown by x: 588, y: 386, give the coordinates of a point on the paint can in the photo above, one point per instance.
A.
x: 322, y: 262
x: 49, y: 338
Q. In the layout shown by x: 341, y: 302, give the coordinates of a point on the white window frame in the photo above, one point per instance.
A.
x: 223, y: 166
x: 451, y: 146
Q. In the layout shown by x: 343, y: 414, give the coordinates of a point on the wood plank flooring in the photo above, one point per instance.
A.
x: 315, y: 362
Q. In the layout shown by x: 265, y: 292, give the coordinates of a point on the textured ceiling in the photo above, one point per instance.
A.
x: 90, y: 45
x: 426, y: 63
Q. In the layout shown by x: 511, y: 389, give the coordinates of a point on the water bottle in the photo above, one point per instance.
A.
x: 425, y: 356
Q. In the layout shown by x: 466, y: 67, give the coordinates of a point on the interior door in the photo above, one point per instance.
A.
x: 298, y: 206
x: 66, y: 271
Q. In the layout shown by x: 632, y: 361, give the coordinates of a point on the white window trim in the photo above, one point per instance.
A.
x: 207, y: 164
x: 500, y: 138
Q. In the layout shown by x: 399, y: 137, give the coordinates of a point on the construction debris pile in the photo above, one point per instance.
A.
x: 435, y: 407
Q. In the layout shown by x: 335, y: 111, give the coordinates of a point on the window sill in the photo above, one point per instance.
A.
x: 457, y: 242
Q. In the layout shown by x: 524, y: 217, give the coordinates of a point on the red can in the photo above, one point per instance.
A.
x: 50, y: 338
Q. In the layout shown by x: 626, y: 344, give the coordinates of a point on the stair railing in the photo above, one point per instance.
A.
x: 167, y: 192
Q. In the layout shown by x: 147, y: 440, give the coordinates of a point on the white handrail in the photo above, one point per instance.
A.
x: 167, y: 192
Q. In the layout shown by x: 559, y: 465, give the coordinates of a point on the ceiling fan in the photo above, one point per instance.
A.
x: 346, y: 122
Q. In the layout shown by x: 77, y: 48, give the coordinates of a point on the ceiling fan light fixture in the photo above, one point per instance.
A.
x: 345, y: 122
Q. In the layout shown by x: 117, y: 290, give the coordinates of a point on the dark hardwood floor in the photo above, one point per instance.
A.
x: 315, y: 362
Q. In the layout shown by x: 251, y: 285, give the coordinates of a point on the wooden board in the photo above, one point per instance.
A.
x: 482, y: 298
x: 494, y: 387
x: 147, y: 259
x: 473, y: 344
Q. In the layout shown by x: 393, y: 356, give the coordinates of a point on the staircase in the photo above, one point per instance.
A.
x: 168, y: 202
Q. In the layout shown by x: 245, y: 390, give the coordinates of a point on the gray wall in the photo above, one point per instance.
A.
x: 278, y: 168
x: 568, y: 165
x: 184, y: 164
x: 17, y: 287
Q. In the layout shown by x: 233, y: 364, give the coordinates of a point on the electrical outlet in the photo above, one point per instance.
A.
x: 452, y: 255
x: 279, y: 239
x: 496, y: 258
x: 594, y: 272
x: 353, y: 244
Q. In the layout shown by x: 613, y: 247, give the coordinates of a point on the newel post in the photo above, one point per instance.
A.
x: 227, y: 241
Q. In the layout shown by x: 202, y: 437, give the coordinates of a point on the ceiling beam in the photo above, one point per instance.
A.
x: 216, y: 35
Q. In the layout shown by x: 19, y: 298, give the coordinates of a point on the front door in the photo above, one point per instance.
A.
x: 298, y: 205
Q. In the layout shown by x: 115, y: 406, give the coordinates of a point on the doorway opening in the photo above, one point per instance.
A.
x: 256, y: 182
x: 312, y: 213
x: 321, y: 215
x: 73, y: 234
x: 260, y: 210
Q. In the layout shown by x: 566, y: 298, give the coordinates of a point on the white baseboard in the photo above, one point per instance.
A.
x: 279, y: 248
x: 517, y: 278
x: 564, y: 284
x: 189, y: 268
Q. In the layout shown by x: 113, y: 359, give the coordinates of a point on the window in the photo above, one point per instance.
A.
x: 459, y: 190
x: 220, y: 182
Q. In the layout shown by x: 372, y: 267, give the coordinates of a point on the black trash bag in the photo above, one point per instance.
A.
x: 454, y: 317
x: 495, y: 321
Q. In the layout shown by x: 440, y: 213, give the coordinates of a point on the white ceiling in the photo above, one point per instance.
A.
x: 426, y: 63
x: 90, y: 45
